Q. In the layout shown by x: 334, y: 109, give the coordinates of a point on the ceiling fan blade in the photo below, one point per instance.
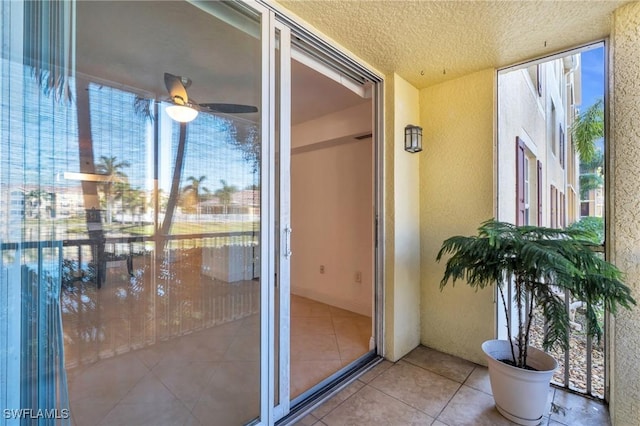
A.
x: 229, y: 108
x: 175, y: 87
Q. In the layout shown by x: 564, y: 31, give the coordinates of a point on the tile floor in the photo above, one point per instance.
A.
x: 427, y: 387
x: 323, y: 340
x: 184, y: 349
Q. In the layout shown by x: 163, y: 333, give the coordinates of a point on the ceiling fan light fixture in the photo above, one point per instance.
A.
x: 181, y: 113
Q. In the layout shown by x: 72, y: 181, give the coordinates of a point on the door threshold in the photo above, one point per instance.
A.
x: 314, y: 397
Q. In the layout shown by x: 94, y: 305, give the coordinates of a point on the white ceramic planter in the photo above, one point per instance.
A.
x: 520, y: 395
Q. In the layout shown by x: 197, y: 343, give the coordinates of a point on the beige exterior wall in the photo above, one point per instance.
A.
x: 625, y: 203
x: 456, y: 195
x: 521, y: 112
x: 402, y: 221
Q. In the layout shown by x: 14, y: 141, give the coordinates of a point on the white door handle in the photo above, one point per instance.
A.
x: 287, y: 242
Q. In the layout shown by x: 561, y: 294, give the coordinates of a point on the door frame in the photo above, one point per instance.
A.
x: 275, y: 126
x: 282, y: 93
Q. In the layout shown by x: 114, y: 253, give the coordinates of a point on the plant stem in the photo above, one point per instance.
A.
x: 520, y: 321
x: 529, y: 321
x: 504, y: 304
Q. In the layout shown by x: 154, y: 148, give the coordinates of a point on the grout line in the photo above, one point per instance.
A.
x: 124, y: 396
x: 404, y: 403
x: 449, y: 401
x: 473, y: 387
x: 432, y: 371
x: 334, y: 396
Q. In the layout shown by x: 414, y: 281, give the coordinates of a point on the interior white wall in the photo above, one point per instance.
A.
x: 332, y: 215
x: 351, y: 121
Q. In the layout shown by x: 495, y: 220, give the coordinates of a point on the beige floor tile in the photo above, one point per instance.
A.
x: 169, y: 413
x: 312, y: 325
x: 574, y: 410
x: 479, y: 380
x: 232, y: 395
x: 307, y: 420
x: 195, y: 347
x: 353, y: 326
x: 339, y: 312
x: 314, y: 347
x: 151, y: 355
x: 229, y: 328
x: 417, y: 387
x: 446, y: 365
x: 375, y: 371
x: 108, y: 379
x: 250, y: 325
x: 303, y: 307
x: 352, y: 334
x: 191, y: 420
x: 149, y: 390
x: 244, y: 347
x: 90, y: 411
x: 337, y: 399
x: 369, y: 406
x: 186, y: 381
x: 306, y: 374
x: 473, y: 408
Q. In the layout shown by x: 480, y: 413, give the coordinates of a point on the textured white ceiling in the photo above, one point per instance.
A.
x: 427, y: 42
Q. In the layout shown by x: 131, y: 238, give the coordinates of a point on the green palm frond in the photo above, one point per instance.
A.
x: 540, y: 263
x: 587, y: 129
x: 553, y: 307
x: 144, y: 107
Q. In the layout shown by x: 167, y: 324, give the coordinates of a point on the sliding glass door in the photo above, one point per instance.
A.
x: 145, y: 213
x: 137, y: 267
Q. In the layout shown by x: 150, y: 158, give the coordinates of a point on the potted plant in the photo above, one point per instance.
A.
x: 540, y: 263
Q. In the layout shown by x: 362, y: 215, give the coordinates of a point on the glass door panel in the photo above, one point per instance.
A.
x: 132, y: 240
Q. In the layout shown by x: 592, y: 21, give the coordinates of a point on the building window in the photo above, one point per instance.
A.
x: 554, y: 136
x: 553, y: 207
x: 561, y: 153
x: 584, y: 209
x: 527, y: 191
x: 521, y: 172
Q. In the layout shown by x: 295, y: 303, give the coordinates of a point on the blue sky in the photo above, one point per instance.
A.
x: 592, y: 77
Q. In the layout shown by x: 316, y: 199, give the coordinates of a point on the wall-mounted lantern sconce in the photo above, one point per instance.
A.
x: 413, y: 138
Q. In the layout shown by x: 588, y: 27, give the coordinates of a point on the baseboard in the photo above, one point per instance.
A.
x: 362, y: 308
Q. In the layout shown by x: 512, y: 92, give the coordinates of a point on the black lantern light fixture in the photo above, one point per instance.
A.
x: 413, y: 138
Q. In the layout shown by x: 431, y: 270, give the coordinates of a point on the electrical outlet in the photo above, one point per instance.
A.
x: 322, y: 269
x: 358, y: 277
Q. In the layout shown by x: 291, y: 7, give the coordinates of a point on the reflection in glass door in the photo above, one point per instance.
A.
x: 133, y: 239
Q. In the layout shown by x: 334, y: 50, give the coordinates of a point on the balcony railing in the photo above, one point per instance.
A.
x: 582, y: 368
x: 147, y: 297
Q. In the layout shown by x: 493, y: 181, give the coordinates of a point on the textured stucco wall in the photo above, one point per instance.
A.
x: 402, y: 220
x: 456, y: 195
x: 625, y: 174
